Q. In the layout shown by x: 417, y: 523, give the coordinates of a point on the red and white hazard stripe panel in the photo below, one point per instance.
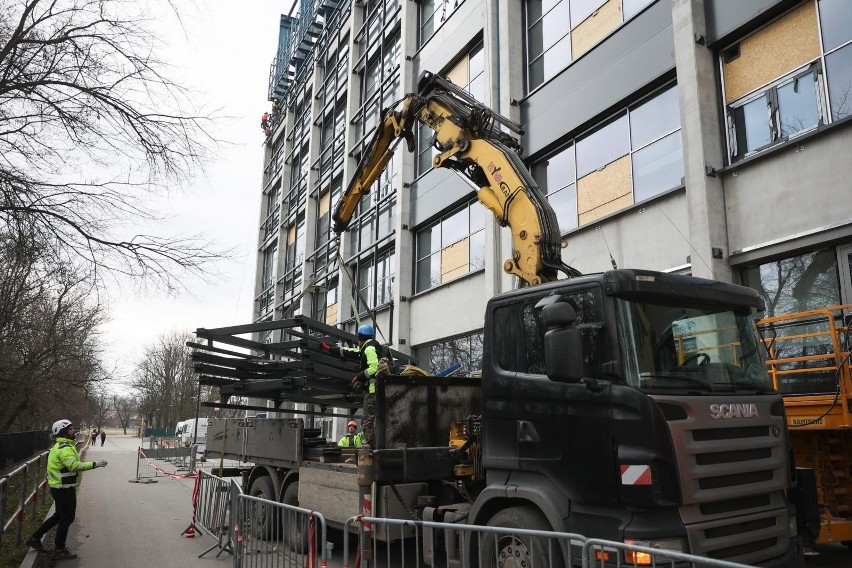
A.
x: 636, y: 475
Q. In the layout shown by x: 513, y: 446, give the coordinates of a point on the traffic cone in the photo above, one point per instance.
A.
x: 189, y: 532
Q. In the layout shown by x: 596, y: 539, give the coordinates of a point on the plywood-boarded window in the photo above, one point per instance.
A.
x: 450, y: 247
x: 331, y: 314
x: 454, y: 260
x: 594, y: 28
x: 459, y: 73
x: 770, y: 53
x: 324, y: 203
x: 645, y: 138
x: 604, y: 191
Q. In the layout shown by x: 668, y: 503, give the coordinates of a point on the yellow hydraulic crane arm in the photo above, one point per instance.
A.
x: 470, y: 143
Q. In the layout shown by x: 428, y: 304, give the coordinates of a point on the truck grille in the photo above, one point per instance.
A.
x: 733, y: 479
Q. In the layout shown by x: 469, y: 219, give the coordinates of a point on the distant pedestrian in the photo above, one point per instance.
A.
x: 63, y: 476
x: 103, y: 437
x: 94, y: 436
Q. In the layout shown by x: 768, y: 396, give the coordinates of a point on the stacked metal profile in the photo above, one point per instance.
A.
x: 282, y: 360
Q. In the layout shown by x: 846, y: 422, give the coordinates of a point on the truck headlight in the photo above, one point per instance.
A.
x: 637, y: 558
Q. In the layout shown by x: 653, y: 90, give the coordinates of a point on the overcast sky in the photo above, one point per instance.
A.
x: 224, y: 54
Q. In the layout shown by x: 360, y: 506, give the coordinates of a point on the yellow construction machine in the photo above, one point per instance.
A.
x: 810, y: 365
x: 469, y: 139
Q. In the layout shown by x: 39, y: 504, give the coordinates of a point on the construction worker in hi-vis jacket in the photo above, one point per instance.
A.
x: 63, y: 476
x: 369, y: 352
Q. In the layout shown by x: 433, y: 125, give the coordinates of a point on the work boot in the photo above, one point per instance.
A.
x: 35, y: 543
x: 64, y: 553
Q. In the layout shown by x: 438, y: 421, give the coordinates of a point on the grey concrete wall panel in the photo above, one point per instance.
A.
x: 434, y: 192
x: 726, y: 16
x: 797, y: 190
x: 449, y: 41
x: 636, y: 54
x: 453, y: 309
x: 652, y: 236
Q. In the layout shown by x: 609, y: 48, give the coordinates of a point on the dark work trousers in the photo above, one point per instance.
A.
x: 65, y: 501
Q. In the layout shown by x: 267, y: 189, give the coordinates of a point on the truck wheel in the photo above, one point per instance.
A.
x: 516, y: 551
x: 265, y: 525
x: 295, y: 530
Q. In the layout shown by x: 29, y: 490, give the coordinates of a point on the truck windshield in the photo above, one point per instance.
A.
x: 689, y: 349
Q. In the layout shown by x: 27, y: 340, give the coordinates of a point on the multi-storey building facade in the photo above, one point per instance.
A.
x: 695, y: 136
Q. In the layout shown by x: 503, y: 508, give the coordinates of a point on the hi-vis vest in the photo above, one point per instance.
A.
x: 370, y: 361
x: 369, y: 354
x: 351, y: 440
x: 64, y: 465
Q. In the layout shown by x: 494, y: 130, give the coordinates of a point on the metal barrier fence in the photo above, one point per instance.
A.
x: 271, y: 534
x: 164, y: 462
x: 213, y: 510
x: 30, y: 481
x: 597, y: 552
x: 454, y: 545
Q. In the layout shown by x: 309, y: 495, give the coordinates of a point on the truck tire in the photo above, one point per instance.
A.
x: 265, y: 525
x: 515, y: 551
x: 295, y: 531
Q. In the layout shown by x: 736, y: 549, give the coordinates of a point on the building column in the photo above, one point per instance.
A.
x: 505, y: 39
x: 403, y: 285
x: 702, y: 142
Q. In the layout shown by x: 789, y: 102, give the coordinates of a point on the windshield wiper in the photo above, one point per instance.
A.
x: 745, y: 385
x: 689, y: 380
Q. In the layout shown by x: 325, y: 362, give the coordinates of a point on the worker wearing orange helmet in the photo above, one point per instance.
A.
x: 351, y: 439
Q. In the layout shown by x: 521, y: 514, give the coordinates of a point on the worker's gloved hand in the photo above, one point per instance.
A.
x: 341, y: 351
x: 102, y: 463
x: 325, y: 346
x: 358, y: 382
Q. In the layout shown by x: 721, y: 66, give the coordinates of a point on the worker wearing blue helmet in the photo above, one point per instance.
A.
x: 369, y: 352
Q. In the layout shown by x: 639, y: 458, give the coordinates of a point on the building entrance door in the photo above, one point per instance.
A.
x: 844, y: 266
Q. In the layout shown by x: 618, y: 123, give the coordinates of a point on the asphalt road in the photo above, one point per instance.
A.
x: 121, y: 524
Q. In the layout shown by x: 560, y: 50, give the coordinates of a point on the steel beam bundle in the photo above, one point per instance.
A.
x: 281, y: 360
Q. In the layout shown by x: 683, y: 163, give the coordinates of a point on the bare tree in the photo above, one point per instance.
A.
x: 49, y: 350
x: 100, y: 409
x: 125, y: 408
x: 165, y: 380
x: 90, y: 127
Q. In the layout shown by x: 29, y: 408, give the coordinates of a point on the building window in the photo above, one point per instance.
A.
x: 374, y: 278
x: 788, y: 77
x: 266, y: 300
x: 273, y: 212
x: 560, y: 31
x: 326, y: 301
x: 798, y: 283
x: 469, y: 74
x: 632, y: 156
x: 373, y: 220
x: 451, y: 247
x: 294, y: 256
x: 433, y: 13
x: 465, y: 351
x: 326, y: 240
x: 789, y: 107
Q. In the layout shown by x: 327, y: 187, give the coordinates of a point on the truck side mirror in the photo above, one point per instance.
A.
x: 563, y: 344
